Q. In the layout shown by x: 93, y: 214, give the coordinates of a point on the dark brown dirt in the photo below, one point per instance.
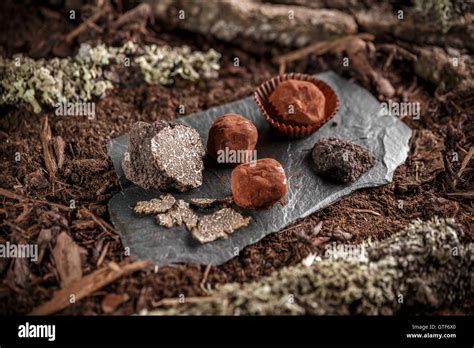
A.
x: 422, y: 188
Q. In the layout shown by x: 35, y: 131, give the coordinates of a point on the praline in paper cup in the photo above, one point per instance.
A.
x: 263, y: 92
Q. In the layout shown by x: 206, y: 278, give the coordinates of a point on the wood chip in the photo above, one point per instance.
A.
x: 465, y: 161
x: 67, y: 257
x: 44, y: 238
x: 45, y: 135
x: 112, y: 301
x: 59, y: 145
x: 317, y: 229
x: 20, y: 272
x: 86, y: 286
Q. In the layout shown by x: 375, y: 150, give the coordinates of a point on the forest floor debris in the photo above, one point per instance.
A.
x: 32, y: 213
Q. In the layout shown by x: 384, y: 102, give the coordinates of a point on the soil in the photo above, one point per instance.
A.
x: 33, y: 202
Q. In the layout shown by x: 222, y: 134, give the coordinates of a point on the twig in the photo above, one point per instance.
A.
x: 398, y: 50
x: 466, y: 160
x: 102, y: 255
x: 86, y: 286
x: 206, y: 274
x: 105, y: 226
x: 322, y: 47
x: 365, y: 211
x: 84, y: 25
x: 461, y: 194
x: 175, y: 302
x: 11, y: 195
x: 141, y: 12
x: 50, y: 13
x: 281, y: 67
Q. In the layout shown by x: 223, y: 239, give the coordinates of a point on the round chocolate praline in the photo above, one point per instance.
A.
x: 232, y: 132
x: 298, y: 102
x: 258, y: 184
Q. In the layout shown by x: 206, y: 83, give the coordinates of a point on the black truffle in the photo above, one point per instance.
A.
x: 165, y: 156
x: 341, y: 160
x: 218, y: 225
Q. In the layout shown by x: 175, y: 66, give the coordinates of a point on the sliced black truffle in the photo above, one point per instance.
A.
x: 170, y: 212
x: 165, y: 156
x: 341, y: 160
x: 180, y: 213
x: 218, y: 225
x: 207, y: 203
x: 155, y: 205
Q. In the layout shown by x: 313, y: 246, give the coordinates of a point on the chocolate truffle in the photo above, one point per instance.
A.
x: 341, y: 160
x: 232, y: 139
x: 298, y: 102
x: 258, y: 184
x: 165, y: 156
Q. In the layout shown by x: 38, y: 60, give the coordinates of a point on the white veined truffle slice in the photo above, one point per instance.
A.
x: 165, y: 156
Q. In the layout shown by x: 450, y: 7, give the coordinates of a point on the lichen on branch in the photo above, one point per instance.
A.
x: 48, y: 82
x: 426, y: 265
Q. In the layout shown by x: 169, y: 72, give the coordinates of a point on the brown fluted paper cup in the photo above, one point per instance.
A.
x: 263, y: 92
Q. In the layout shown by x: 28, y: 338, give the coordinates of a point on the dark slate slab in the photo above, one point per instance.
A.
x: 359, y: 119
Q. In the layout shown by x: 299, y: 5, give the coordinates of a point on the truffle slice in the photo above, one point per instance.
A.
x: 258, y: 184
x: 218, y: 225
x: 207, y: 203
x: 341, y: 160
x: 155, y: 205
x: 204, y: 228
x: 165, y: 156
x: 298, y: 102
x: 232, y: 139
x: 179, y: 214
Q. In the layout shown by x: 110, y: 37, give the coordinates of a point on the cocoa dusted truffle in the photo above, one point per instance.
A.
x: 258, y: 184
x: 298, y: 102
x: 341, y: 160
x: 232, y: 139
x: 165, y: 156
